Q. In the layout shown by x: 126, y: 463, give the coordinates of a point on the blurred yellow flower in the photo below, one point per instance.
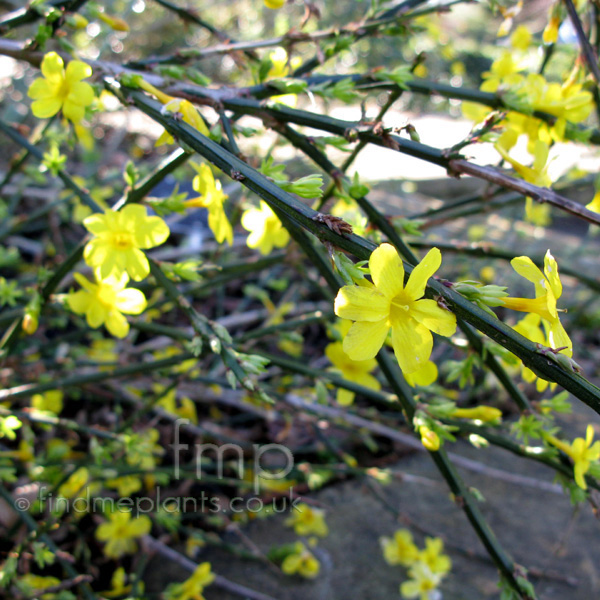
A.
x: 302, y: 562
x: 266, y: 230
x: 192, y: 588
x: 50, y: 401
x: 399, y: 550
x: 120, y: 533
x: 308, y: 521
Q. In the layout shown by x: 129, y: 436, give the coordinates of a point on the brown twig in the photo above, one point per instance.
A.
x: 540, y: 194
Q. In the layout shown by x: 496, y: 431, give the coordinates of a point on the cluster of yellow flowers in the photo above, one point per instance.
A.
x: 115, y: 254
x: 568, y: 102
x: 387, y: 303
x: 426, y: 568
x: 306, y: 521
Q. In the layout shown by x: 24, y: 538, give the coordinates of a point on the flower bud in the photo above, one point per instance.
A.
x: 429, y: 438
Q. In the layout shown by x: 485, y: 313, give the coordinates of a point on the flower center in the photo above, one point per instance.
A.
x: 400, y: 307
x: 122, y: 241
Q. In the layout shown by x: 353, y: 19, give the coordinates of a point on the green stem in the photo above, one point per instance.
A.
x: 284, y: 202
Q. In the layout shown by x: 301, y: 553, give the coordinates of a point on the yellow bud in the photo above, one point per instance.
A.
x: 274, y: 4
x: 550, y: 35
x: 77, y: 21
x: 29, y: 324
x: 429, y: 438
x: 115, y: 23
x: 478, y: 413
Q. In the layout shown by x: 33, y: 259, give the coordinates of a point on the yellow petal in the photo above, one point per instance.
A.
x: 415, y: 288
x: 364, y: 340
x: 425, y: 376
x: 136, y: 263
x: 551, y: 272
x: 558, y: 337
x: 412, y: 344
x: 387, y: 270
x: 52, y: 66
x: 96, y: 224
x: 344, y: 397
x: 131, y: 301
x: 435, y: 318
x: 44, y: 109
x: 361, y: 304
x: 524, y: 266
x: 81, y: 93
x: 117, y: 324
x: 96, y: 314
x: 77, y: 70
x: 40, y: 89
x: 73, y: 112
x: 79, y: 301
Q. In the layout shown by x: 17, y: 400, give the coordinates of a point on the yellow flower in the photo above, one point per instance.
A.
x: 118, y: 240
x: 308, y: 521
x: 581, y: 452
x: 530, y: 327
x: 432, y: 556
x: 399, y: 550
x: 212, y: 198
x: 266, y: 230
x: 120, y: 533
x: 185, y: 108
x: 61, y: 88
x: 421, y: 584
x: 389, y: 304
x: 118, y: 583
x: 192, y: 588
x: 190, y: 115
x: 356, y: 371
x: 548, y: 289
x: 105, y: 302
x: 521, y: 38
x: 281, y: 68
x: 142, y: 449
x: 302, y: 562
x: 487, y: 414
x: 50, y: 401
x: 186, y: 408
x: 75, y: 484
x: 274, y: 4
x: 30, y: 583
x: 126, y: 485
x: 504, y: 72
